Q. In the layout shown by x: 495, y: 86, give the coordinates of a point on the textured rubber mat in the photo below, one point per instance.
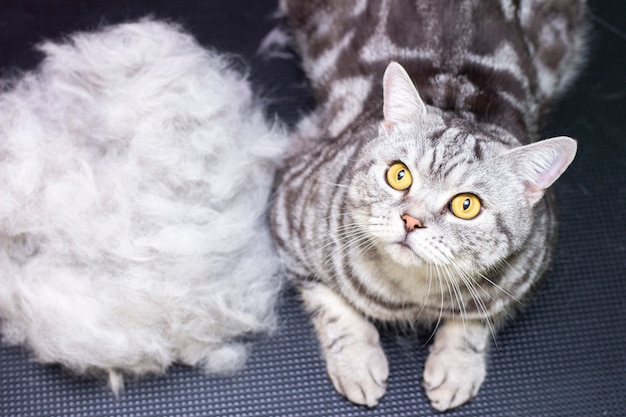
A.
x: 563, y: 356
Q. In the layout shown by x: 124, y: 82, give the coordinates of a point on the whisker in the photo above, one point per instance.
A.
x: 458, y: 295
x: 345, y: 250
x: 432, y: 334
x: 483, y: 276
x: 322, y: 181
x: 430, y: 281
x: 470, y: 284
x: 340, y: 232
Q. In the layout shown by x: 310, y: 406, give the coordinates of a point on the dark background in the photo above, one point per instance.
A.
x: 564, y: 356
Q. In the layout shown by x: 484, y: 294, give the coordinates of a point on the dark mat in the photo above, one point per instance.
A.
x: 564, y: 356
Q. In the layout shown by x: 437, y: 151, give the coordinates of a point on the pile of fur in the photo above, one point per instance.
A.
x: 135, y: 169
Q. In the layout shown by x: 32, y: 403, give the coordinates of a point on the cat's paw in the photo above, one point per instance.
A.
x: 453, y: 376
x: 358, y: 370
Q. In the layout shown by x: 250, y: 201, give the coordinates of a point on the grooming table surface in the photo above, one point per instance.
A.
x: 565, y: 355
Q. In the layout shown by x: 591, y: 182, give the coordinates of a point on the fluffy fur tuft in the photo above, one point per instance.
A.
x: 135, y: 169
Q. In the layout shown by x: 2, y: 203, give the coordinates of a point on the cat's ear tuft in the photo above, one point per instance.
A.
x: 540, y: 164
x: 402, y: 102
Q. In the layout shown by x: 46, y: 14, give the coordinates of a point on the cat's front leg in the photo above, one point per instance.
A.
x: 355, y: 361
x: 456, y: 366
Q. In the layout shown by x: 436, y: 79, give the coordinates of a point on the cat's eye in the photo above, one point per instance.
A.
x: 399, y: 177
x: 465, y: 206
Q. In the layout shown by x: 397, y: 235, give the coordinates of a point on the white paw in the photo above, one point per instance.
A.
x: 358, y: 370
x: 453, y: 376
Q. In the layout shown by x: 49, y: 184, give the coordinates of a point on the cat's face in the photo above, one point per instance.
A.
x: 436, y: 194
x: 432, y: 190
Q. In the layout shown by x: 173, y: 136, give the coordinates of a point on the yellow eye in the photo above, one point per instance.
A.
x: 465, y: 206
x: 399, y: 177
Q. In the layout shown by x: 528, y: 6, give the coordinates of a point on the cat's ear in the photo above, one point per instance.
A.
x: 402, y: 102
x: 541, y: 163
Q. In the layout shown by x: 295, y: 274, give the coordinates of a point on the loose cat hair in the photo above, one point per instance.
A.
x: 416, y: 191
x: 135, y: 170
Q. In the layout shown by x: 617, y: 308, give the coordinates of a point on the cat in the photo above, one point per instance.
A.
x: 134, y: 164
x: 416, y: 191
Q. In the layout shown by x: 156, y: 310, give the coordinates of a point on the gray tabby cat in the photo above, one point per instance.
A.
x: 424, y: 207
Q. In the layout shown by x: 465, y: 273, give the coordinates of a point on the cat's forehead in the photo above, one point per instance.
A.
x: 447, y: 142
x: 438, y: 155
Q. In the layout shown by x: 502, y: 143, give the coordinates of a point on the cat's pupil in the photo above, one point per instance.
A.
x: 401, y: 175
x: 466, y: 204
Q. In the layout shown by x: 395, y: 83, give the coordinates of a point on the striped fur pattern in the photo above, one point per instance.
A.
x: 454, y: 92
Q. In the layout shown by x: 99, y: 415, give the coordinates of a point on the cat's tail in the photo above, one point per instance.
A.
x: 558, y: 39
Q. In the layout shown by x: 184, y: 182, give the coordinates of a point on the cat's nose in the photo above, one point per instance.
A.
x: 411, y: 223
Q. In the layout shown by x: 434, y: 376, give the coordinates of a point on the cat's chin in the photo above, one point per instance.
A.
x: 404, y: 255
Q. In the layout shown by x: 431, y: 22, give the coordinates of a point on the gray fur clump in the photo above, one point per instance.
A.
x: 136, y: 168
x: 417, y: 191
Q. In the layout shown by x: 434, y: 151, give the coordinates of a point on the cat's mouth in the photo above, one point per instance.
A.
x: 404, y: 254
x: 406, y: 246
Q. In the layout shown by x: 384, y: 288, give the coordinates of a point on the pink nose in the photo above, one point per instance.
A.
x: 411, y: 223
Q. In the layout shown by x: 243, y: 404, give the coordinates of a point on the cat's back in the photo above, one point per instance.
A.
x: 528, y: 50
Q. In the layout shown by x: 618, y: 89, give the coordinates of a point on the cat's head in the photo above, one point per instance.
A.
x: 434, y: 189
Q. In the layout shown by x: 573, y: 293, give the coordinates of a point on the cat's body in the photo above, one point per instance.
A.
x: 405, y: 206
